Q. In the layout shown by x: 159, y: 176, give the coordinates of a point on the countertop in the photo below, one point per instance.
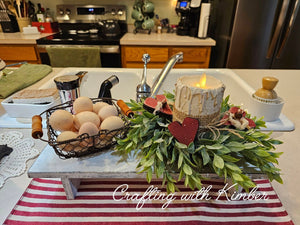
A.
x: 164, y: 39
x: 287, y: 88
x: 21, y: 38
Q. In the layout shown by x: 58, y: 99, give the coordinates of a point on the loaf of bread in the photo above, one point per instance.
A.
x: 36, y: 96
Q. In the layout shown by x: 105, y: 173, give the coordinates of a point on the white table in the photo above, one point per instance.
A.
x: 104, y: 164
x: 287, y: 88
x: 71, y: 171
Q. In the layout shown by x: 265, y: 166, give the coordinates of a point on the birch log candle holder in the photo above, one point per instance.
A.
x: 198, y: 97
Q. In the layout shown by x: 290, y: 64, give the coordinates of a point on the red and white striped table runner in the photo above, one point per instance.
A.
x: 102, y: 202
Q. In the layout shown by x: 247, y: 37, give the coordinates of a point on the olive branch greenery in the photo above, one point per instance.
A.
x: 227, y: 155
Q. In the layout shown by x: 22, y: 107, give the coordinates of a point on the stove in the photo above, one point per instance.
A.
x: 83, y: 25
x: 78, y: 39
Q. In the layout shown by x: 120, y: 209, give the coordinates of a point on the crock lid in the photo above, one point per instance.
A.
x: 67, y: 82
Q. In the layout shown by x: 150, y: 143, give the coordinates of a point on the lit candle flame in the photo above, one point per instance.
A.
x: 202, y: 82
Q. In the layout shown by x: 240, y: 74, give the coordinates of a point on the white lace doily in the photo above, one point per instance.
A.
x: 15, y: 164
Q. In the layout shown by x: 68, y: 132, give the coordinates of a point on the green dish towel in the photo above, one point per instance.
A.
x: 74, y: 56
x: 21, y: 78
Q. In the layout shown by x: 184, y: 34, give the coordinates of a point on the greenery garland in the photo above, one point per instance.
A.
x: 226, y: 154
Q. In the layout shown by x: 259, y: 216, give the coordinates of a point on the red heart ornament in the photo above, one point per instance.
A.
x: 184, y: 133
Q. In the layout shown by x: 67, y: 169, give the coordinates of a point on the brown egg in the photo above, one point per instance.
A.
x: 112, y: 123
x: 107, y: 111
x: 67, y: 135
x: 61, y: 120
x: 82, y: 104
x: 91, y: 129
x: 98, y: 105
x: 84, y: 117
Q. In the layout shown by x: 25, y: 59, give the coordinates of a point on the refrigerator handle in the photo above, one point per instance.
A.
x: 281, y: 18
x: 289, y: 28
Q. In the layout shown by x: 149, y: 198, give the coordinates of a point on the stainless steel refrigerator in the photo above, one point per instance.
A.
x: 255, y: 34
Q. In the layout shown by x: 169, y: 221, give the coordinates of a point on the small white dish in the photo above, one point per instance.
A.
x: 17, y: 110
x: 270, y: 110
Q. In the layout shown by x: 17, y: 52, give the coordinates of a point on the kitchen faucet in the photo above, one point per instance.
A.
x: 178, y: 57
x: 143, y: 89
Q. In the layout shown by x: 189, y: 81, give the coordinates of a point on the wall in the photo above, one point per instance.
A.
x: 163, y: 8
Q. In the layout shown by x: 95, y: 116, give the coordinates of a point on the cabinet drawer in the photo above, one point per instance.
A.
x: 192, y: 54
x: 193, y: 57
x: 135, y: 54
x: 18, y: 53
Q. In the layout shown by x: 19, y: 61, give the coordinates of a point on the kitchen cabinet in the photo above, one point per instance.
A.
x: 13, y: 53
x: 193, y: 56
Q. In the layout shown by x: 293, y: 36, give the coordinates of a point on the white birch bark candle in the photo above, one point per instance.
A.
x: 198, y: 97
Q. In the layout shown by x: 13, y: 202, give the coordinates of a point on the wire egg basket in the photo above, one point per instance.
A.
x: 84, y: 144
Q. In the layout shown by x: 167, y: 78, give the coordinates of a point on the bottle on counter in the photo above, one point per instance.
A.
x: 40, y: 14
x: 158, y: 29
x: 48, y: 17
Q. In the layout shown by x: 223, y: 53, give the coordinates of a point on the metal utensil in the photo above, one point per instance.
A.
x: 16, y: 64
x: 3, y: 64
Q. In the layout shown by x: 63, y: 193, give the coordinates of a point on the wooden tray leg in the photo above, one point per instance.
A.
x: 70, y: 185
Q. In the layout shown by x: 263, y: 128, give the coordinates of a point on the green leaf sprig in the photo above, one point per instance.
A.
x: 228, y: 156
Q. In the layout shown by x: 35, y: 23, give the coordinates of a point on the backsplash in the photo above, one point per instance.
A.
x: 163, y: 8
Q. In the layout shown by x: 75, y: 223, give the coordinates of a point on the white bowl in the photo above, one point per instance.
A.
x: 270, y: 110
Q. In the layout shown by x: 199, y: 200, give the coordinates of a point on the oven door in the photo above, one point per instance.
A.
x: 110, y: 54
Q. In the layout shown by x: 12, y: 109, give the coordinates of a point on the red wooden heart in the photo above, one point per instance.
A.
x: 186, y: 132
